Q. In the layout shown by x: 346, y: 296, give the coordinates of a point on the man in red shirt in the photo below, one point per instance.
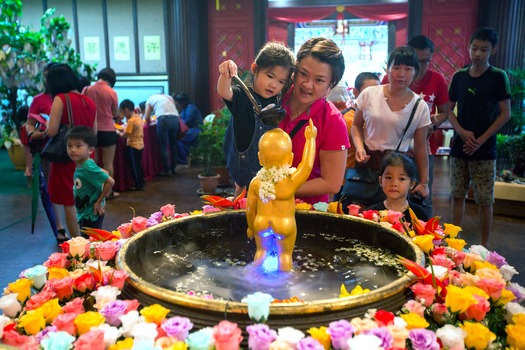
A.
x: 433, y: 88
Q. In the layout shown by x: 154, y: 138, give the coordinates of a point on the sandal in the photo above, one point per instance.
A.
x: 61, y: 236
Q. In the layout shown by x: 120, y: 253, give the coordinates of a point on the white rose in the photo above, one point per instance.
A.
x: 452, y: 337
x: 111, y: 334
x: 128, y: 321
x: 480, y: 250
x: 508, y: 271
x: 144, y: 333
x: 10, y: 305
x: 4, y: 320
x: 104, y: 295
x: 439, y: 271
x: 290, y: 335
x: 364, y: 342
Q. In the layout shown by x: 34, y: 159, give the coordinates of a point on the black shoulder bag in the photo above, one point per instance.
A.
x: 55, y: 149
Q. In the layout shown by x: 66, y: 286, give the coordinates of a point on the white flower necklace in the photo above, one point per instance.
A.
x: 269, y: 177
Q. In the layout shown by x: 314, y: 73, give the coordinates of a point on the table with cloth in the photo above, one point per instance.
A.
x: 150, y: 160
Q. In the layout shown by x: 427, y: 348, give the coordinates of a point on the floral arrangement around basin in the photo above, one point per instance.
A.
x: 464, y: 299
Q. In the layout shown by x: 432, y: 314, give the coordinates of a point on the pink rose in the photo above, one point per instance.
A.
x: 415, y: 308
x: 64, y: 322
x: 62, y: 287
x: 131, y: 305
x: 115, y: 278
x: 242, y: 203
x: 139, y: 223
x: 458, y: 257
x: 227, y: 336
x: 478, y: 310
x: 125, y: 230
x: 168, y: 210
x: 57, y: 260
x: 353, y: 209
x: 78, y: 246
x: 440, y: 313
x: 424, y: 293
x: 106, y: 250
x: 84, y: 282
x: 393, y: 216
x: 492, y: 287
x: 443, y: 260
x: 39, y: 299
x: 11, y: 337
x: 92, y: 340
x: 75, y: 306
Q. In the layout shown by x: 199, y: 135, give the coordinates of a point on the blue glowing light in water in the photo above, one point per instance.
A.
x: 271, y: 260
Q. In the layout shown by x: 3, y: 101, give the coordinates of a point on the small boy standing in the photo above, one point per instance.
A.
x: 134, y: 134
x: 92, y: 184
x: 482, y: 94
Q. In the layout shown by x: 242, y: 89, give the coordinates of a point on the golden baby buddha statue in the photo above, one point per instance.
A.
x: 270, y: 208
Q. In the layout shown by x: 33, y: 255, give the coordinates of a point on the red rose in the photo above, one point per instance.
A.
x: 384, y: 318
x: 84, y: 282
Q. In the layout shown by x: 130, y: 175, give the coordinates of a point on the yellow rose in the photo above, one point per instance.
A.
x: 32, y: 322
x: 456, y: 243
x: 490, y: 273
x: 424, y: 242
x: 451, y: 230
x: 470, y: 259
x: 321, y: 335
x: 51, y: 309
x: 22, y: 286
x: 458, y: 299
x: 180, y: 345
x: 516, y: 336
x: 506, y: 297
x: 154, y: 313
x: 332, y: 207
x: 477, y: 291
x: 85, y: 321
x: 478, y: 336
x: 414, y: 321
x: 122, y: 344
x: 57, y: 272
x: 196, y: 212
x: 519, y: 319
x: 303, y: 206
x: 484, y: 265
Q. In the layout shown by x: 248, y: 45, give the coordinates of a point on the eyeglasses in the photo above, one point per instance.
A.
x: 427, y: 61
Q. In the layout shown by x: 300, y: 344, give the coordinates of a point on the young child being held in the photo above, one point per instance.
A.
x: 272, y: 70
x: 92, y: 184
x: 134, y: 134
x: 398, y: 176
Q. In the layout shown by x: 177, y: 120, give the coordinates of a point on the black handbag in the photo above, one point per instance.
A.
x: 55, y: 149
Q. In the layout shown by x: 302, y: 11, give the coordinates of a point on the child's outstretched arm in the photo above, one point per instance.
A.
x: 227, y: 70
x: 307, y: 163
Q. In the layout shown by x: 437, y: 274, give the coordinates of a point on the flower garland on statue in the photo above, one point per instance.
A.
x: 464, y: 299
x: 268, y: 179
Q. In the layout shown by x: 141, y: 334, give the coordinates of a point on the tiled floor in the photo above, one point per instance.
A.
x: 19, y: 249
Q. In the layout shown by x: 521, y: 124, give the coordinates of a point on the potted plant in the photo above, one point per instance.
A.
x: 208, y: 152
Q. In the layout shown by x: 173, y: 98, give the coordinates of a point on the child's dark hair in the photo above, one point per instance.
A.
x: 108, y: 75
x: 82, y: 133
x: 362, y: 77
x: 421, y: 42
x: 276, y: 54
x: 404, y: 55
x: 127, y: 104
x: 399, y: 159
x: 485, y: 34
x: 326, y: 51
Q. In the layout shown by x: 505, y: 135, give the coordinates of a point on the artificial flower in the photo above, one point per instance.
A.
x: 92, y: 340
x: 321, y: 335
x: 451, y: 337
x: 353, y: 209
x: 364, y: 341
x: 113, y: 310
x: 309, y: 343
x: 178, y: 327
x: 50, y: 310
x: 56, y: 273
x: 201, y: 340
x: 290, y: 335
x: 384, y: 318
x: 458, y: 299
x: 425, y: 242
x: 77, y: 247
x: 154, y: 313
x: 414, y: 321
x: 424, y: 293
x: 258, y: 306
x: 10, y: 305
x: 32, y: 321
x: 63, y: 287
x: 22, y: 287
x: 85, y: 321
x: 478, y: 336
x: 57, y: 260
x: 58, y: 341
x: 104, y: 295
x: 340, y: 332
x: 66, y: 323
x: 516, y: 335
x: 227, y: 335
x: 37, y: 274
x: 168, y: 210
x: 423, y: 339
x: 382, y: 333
x: 451, y: 230
x: 139, y: 223
x: 260, y: 336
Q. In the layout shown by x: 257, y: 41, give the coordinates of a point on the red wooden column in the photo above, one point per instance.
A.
x: 230, y: 33
x: 449, y: 23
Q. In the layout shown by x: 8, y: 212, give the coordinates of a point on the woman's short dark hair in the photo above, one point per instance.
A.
x: 326, y: 51
x: 404, y: 55
x: 61, y: 79
x: 108, y: 75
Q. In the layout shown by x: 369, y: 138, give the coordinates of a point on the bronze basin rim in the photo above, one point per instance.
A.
x: 306, y: 307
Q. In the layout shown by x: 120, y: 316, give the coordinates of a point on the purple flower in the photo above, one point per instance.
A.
x: 423, y: 339
x: 178, y: 327
x: 260, y: 336
x: 309, y: 343
x: 517, y: 291
x: 496, y: 259
x: 44, y: 332
x: 340, y: 331
x: 157, y: 217
x: 113, y: 310
x: 387, y: 341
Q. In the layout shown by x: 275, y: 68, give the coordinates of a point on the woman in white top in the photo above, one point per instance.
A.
x: 382, y: 113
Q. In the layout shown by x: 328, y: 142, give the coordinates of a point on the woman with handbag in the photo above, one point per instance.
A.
x: 69, y: 108
x: 390, y: 115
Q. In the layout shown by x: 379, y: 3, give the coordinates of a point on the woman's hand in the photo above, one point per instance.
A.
x: 421, y: 189
x: 361, y: 156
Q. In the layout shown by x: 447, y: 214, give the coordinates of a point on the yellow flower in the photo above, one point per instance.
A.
x: 303, y: 206
x: 32, y: 322
x: 180, y: 345
x: 332, y: 207
x: 506, y: 297
x: 451, y: 230
x: 57, y: 272
x: 154, y: 313
x: 484, y: 265
x: 412, y: 233
x: 414, y: 321
x: 196, y: 212
x: 456, y: 243
x: 424, y: 242
x: 458, y: 299
x: 519, y: 319
x: 477, y: 291
x: 516, y: 336
x: 122, y: 344
x: 51, y: 309
x: 22, y: 286
x: 478, y: 336
x: 321, y: 335
x: 85, y: 321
